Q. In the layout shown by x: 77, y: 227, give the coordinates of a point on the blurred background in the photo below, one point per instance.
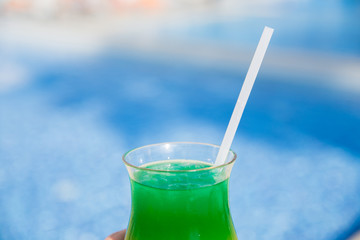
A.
x: 83, y: 81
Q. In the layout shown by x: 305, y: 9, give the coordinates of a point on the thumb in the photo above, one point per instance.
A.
x: 117, y: 236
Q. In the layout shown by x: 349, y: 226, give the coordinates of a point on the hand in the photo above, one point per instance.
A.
x: 117, y: 236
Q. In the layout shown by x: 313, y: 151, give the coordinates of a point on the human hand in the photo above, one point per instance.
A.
x: 117, y: 236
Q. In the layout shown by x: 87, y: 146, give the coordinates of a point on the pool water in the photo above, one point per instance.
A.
x: 63, y: 133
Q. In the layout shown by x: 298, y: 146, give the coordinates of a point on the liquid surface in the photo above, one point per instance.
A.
x: 178, y: 174
x: 171, y: 165
x: 197, y: 210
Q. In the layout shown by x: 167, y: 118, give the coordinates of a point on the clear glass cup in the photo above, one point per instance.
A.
x: 177, y: 192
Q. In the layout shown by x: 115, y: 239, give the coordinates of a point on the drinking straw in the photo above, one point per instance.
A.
x: 244, y: 95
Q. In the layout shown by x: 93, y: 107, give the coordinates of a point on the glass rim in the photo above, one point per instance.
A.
x: 177, y: 171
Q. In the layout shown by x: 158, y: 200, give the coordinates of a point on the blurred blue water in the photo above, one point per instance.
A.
x: 63, y: 133
x: 281, y: 106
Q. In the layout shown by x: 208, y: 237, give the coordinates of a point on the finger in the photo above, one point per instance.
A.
x: 117, y: 236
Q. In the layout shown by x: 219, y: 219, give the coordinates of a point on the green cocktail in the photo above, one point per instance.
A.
x: 178, y: 198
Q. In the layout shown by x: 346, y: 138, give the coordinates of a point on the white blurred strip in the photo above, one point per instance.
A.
x: 142, y: 35
x: 328, y: 69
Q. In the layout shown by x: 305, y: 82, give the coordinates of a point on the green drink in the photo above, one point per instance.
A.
x: 179, y: 199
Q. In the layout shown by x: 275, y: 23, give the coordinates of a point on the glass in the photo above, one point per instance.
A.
x: 177, y: 193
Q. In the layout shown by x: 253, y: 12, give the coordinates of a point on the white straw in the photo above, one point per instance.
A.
x: 244, y: 95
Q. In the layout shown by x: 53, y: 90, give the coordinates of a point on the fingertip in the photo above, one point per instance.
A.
x: 117, y: 236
